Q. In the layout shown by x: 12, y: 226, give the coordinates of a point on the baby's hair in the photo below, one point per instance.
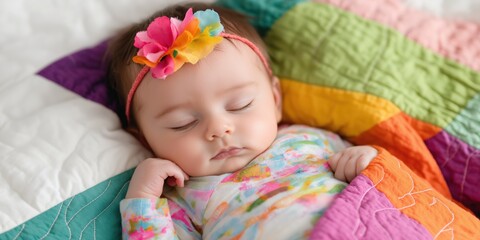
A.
x: 122, y: 71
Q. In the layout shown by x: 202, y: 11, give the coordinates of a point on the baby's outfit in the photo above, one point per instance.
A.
x: 278, y: 195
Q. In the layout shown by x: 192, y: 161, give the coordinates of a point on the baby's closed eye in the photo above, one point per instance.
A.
x: 242, y: 105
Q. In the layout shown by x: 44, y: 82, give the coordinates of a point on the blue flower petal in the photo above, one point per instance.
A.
x: 209, y: 18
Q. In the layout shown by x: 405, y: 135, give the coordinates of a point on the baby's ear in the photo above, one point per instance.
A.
x: 277, y: 95
x: 139, y: 136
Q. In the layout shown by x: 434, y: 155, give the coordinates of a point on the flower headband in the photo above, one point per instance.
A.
x: 169, y: 43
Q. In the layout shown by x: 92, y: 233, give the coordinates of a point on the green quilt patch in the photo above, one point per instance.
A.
x: 323, y: 45
x: 92, y: 214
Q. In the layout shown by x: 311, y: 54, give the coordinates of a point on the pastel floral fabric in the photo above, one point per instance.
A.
x: 279, y: 195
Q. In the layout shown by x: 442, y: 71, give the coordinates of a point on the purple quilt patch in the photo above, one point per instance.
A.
x: 362, y: 212
x: 83, y: 72
x: 460, y: 165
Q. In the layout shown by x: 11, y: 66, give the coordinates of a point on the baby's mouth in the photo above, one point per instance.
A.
x: 227, y: 153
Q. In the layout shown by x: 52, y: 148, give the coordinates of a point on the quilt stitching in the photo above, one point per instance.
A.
x: 359, y: 220
x: 410, y: 194
x: 53, y: 223
x: 19, y: 233
x: 96, y: 217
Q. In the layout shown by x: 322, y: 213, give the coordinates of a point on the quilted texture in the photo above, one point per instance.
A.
x: 375, y: 86
x: 370, y: 208
x: 91, y: 214
x: 84, y: 73
x: 456, y: 40
x: 262, y: 13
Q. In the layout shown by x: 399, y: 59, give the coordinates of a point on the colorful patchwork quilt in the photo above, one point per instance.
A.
x: 386, y: 73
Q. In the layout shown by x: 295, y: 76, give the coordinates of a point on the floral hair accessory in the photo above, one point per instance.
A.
x: 169, y: 43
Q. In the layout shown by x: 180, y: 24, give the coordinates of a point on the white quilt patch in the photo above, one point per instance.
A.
x: 53, y: 145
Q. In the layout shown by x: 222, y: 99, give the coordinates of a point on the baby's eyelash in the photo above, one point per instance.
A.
x: 193, y: 123
x: 185, y: 127
x: 242, y: 108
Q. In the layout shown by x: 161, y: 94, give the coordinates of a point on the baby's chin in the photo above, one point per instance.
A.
x: 219, y: 167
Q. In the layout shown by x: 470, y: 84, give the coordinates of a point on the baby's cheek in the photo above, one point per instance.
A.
x: 192, y: 157
x: 262, y: 132
x: 173, y: 150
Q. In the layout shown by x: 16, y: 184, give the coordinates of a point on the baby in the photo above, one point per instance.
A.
x: 202, y: 97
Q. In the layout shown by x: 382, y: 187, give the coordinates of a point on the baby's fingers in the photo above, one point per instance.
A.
x: 362, y: 163
x: 350, y: 168
x: 333, y: 161
x: 340, y: 171
x: 180, y: 180
x: 177, y: 177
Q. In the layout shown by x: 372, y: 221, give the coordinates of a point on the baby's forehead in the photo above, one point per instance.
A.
x: 230, y: 62
x: 230, y: 46
x: 240, y: 51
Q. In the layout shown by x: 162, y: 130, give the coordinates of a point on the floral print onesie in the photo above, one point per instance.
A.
x: 278, y: 195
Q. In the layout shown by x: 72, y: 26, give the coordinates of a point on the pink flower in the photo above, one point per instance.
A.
x: 157, y: 40
x: 169, y: 43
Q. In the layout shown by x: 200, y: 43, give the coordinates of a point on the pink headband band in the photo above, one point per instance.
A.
x: 146, y: 69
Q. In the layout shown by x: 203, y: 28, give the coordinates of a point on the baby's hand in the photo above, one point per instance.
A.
x: 150, y: 175
x: 348, y: 163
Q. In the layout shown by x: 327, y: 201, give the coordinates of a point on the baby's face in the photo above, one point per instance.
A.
x: 213, y: 117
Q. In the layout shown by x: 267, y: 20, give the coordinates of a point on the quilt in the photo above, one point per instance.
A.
x: 387, y: 73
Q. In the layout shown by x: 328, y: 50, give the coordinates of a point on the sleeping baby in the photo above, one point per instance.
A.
x: 201, y: 96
